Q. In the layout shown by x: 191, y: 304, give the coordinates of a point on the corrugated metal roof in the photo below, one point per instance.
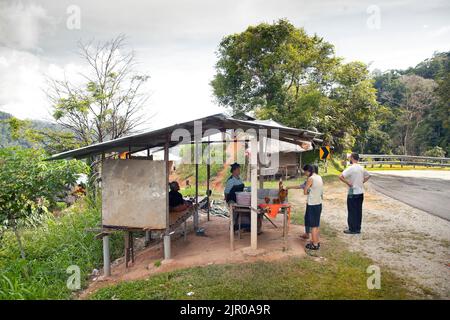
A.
x: 157, y: 138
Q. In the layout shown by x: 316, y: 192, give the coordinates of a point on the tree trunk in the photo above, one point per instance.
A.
x: 405, y: 143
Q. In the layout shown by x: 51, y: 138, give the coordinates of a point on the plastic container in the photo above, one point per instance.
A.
x: 244, y: 198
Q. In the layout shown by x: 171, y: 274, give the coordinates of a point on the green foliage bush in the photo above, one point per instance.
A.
x: 435, y: 152
x: 51, y: 248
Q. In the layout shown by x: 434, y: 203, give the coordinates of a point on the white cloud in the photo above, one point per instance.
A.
x: 175, y: 42
x: 20, y: 77
x: 442, y: 31
x: 23, y: 25
x: 22, y: 83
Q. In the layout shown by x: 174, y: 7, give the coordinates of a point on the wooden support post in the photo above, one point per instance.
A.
x: 235, y: 148
x: 148, y: 238
x: 127, y: 248
x: 254, y: 196
x: 106, y: 257
x: 208, y: 177
x: 167, y: 233
x: 230, y: 210
x: 196, y: 187
x: 224, y: 147
x: 300, y: 163
x: 261, y: 151
x: 167, y: 253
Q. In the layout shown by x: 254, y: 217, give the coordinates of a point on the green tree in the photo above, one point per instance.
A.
x: 280, y: 72
x: 433, y: 127
x: 418, y: 99
x: 47, y: 137
x: 28, y: 185
x: 441, y: 115
x: 267, y: 65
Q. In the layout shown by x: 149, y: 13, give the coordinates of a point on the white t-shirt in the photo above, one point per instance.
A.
x: 356, y: 174
x: 315, y: 193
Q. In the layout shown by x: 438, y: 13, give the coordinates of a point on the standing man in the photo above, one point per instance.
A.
x: 354, y: 177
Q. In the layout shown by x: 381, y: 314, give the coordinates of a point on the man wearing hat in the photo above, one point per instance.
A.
x: 234, y: 183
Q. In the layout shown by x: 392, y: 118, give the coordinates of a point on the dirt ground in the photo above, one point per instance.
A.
x: 214, y: 248
x: 412, y: 243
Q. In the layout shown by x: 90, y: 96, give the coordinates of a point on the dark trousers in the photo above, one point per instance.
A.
x: 354, y: 207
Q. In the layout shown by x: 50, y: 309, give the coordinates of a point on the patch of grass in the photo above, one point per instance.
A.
x: 341, y: 276
x: 190, y: 192
x: 188, y: 171
x: 51, y: 249
x: 398, y: 167
x: 157, y: 263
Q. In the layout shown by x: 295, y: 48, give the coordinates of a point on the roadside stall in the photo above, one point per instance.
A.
x: 135, y: 188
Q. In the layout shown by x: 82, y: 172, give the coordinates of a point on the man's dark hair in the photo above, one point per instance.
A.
x: 355, y: 156
x: 309, y: 168
x: 173, y: 185
x: 234, y: 166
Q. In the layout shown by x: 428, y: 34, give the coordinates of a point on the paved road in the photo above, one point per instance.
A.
x: 426, y: 190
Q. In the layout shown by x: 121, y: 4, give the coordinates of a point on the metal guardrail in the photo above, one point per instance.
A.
x: 402, y: 160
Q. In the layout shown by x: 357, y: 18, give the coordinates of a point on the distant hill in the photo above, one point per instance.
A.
x: 5, y: 134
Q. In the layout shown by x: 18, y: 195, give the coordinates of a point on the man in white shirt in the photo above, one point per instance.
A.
x: 354, y: 177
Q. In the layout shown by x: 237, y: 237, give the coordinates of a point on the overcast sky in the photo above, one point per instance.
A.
x: 175, y: 42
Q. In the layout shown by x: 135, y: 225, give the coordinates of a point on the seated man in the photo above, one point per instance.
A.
x: 235, y: 184
x: 176, y: 201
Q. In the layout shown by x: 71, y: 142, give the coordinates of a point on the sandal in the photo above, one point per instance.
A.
x: 311, y: 246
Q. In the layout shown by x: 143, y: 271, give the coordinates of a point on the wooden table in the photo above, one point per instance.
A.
x: 274, y: 210
x: 239, y: 209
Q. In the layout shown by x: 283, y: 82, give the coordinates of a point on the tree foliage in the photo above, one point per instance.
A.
x: 280, y: 72
x: 31, y: 134
x: 418, y: 101
x: 277, y: 71
x: 28, y: 185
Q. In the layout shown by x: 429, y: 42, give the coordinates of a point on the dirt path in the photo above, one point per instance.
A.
x: 412, y: 243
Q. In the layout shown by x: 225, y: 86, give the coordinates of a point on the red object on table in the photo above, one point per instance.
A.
x: 275, y: 208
